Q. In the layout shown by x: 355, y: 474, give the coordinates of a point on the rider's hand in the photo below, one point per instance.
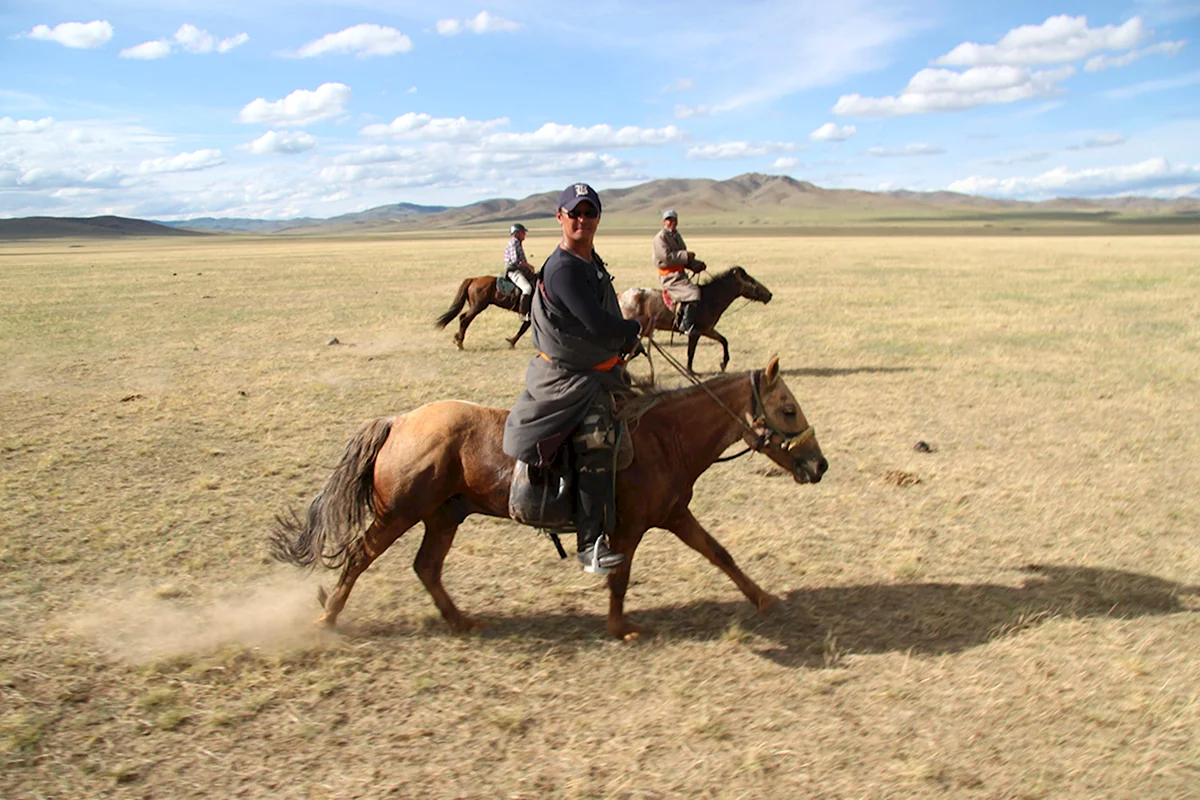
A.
x: 699, y: 266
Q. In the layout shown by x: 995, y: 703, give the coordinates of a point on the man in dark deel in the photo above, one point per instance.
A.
x: 581, y: 340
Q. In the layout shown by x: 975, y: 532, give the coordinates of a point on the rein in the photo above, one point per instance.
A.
x: 787, y: 442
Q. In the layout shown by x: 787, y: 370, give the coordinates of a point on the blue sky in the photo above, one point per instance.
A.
x: 166, y: 109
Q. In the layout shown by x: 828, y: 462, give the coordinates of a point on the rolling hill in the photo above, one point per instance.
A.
x: 746, y: 202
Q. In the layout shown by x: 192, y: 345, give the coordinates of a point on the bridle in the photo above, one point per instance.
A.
x: 788, y: 443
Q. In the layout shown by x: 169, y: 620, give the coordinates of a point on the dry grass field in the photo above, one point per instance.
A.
x: 1013, y: 614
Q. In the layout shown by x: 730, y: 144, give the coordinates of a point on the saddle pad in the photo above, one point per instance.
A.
x: 667, y: 299
x: 505, y: 285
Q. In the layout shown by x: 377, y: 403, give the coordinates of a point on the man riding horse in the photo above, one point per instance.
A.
x: 582, y: 342
x: 518, y: 269
x: 672, y: 258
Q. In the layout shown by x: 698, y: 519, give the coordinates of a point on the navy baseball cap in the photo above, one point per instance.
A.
x: 575, y: 194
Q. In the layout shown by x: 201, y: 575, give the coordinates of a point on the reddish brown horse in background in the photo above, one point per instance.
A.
x: 715, y: 297
x: 477, y: 294
x: 442, y: 462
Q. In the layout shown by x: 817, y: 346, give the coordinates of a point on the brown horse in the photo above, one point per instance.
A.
x: 442, y: 462
x: 715, y: 297
x: 477, y: 294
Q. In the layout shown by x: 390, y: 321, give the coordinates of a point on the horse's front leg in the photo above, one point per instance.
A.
x: 512, y: 343
x: 440, y: 528
x: 686, y: 527
x: 618, y: 583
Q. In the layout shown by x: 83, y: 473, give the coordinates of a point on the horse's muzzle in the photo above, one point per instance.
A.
x: 810, y: 470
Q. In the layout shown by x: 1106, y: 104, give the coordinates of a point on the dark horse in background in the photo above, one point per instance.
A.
x: 715, y: 297
x: 442, y: 462
x: 477, y: 294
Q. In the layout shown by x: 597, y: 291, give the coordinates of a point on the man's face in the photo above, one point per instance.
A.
x: 520, y: 235
x: 670, y: 223
x: 579, y: 224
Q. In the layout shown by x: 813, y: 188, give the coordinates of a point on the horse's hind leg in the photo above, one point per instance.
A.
x: 440, y: 528
x: 375, y: 541
x: 686, y: 527
x: 464, y: 321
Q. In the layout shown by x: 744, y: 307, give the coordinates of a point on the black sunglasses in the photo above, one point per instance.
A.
x: 587, y: 213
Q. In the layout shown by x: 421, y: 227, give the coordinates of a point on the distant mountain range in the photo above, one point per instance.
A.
x: 753, y: 199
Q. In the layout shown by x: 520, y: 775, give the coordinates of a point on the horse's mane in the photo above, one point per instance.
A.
x: 640, y: 401
x: 722, y: 276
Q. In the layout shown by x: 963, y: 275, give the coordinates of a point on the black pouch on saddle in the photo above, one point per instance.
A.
x: 543, y: 497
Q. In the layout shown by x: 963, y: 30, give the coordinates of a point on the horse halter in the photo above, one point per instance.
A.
x: 789, y: 443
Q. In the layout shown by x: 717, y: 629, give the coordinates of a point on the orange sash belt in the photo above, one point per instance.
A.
x: 603, y: 366
x: 669, y: 270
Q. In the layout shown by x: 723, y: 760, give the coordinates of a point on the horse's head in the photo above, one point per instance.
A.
x: 748, y: 287
x: 784, y: 434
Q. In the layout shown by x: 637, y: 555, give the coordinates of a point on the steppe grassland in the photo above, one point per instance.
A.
x: 161, y: 400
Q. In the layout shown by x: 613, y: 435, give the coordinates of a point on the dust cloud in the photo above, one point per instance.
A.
x: 151, y: 624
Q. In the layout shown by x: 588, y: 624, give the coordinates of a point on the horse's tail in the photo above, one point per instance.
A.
x: 460, y: 300
x: 335, y: 518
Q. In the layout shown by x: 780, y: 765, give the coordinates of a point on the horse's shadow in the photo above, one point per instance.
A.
x: 818, y: 627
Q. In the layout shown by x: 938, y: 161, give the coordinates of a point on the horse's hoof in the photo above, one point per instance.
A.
x: 468, y: 625
x: 628, y: 632
x: 767, y: 602
x: 325, y: 623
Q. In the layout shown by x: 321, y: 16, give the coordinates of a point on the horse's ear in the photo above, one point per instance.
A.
x: 771, y: 373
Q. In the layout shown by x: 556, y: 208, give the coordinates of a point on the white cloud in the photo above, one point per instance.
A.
x: 483, y: 22
x: 786, y: 162
x: 443, y: 129
x: 189, y: 38
x: 225, y: 45
x: 194, y: 40
x: 733, y: 150
x: 362, y: 40
x: 687, y: 112
x: 147, y: 51
x: 832, y: 132
x: 1151, y: 175
x: 916, y: 149
x: 184, y: 162
x: 282, y: 143
x: 933, y: 90
x: 301, y: 107
x: 681, y: 85
x: 1101, y: 63
x: 1058, y: 40
x: 553, y: 136
x: 8, y: 125
x: 79, y: 35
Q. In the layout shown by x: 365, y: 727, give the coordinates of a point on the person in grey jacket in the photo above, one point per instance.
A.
x: 673, y: 260
x: 582, y: 343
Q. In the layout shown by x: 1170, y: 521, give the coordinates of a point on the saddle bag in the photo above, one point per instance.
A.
x: 543, y: 497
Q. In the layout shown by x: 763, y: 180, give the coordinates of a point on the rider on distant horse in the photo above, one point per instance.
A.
x: 518, y: 269
x: 672, y: 257
x: 581, y: 339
